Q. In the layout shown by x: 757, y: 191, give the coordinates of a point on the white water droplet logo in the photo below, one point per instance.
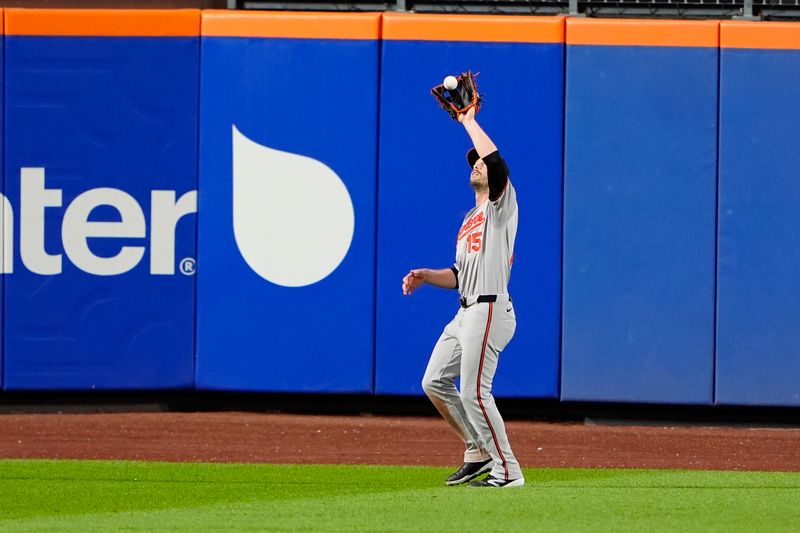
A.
x: 293, y: 218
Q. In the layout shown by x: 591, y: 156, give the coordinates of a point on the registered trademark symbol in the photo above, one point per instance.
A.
x: 188, y: 266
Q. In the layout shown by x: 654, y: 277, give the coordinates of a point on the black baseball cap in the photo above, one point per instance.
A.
x: 472, y: 157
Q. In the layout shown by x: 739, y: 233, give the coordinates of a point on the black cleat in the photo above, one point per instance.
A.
x: 469, y: 471
x: 496, y: 482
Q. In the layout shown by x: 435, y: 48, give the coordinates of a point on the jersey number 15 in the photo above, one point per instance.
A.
x: 474, y: 242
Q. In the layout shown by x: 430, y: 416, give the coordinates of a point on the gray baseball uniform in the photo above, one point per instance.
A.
x: 471, y: 343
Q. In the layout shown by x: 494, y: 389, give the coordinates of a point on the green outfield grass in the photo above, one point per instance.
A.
x: 115, y: 495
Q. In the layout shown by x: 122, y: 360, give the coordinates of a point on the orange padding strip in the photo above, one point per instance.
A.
x: 476, y: 28
x: 772, y: 35
x: 289, y: 24
x: 104, y: 22
x: 704, y: 33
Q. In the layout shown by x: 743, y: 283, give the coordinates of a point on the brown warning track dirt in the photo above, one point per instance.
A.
x: 285, y: 438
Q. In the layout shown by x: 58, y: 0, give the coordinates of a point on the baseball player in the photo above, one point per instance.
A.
x: 471, y: 343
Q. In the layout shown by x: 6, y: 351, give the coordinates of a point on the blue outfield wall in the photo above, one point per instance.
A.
x: 325, y: 171
x: 639, y: 224
x: 424, y: 194
x: 758, y: 327
x: 287, y: 224
x: 100, y: 168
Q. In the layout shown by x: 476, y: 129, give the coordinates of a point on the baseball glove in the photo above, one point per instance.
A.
x: 460, y: 98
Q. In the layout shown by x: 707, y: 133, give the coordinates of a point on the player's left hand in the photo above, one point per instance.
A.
x: 469, y: 115
x: 413, y: 280
x: 459, y: 99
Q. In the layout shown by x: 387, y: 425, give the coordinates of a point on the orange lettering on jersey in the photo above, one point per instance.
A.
x: 471, y: 224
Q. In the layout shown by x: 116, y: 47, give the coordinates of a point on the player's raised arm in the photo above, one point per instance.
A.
x: 480, y: 140
x: 495, y: 166
x: 444, y: 278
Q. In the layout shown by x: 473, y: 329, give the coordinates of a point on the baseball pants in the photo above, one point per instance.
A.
x: 469, y: 347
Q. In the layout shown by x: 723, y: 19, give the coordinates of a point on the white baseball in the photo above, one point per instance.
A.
x: 450, y: 83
